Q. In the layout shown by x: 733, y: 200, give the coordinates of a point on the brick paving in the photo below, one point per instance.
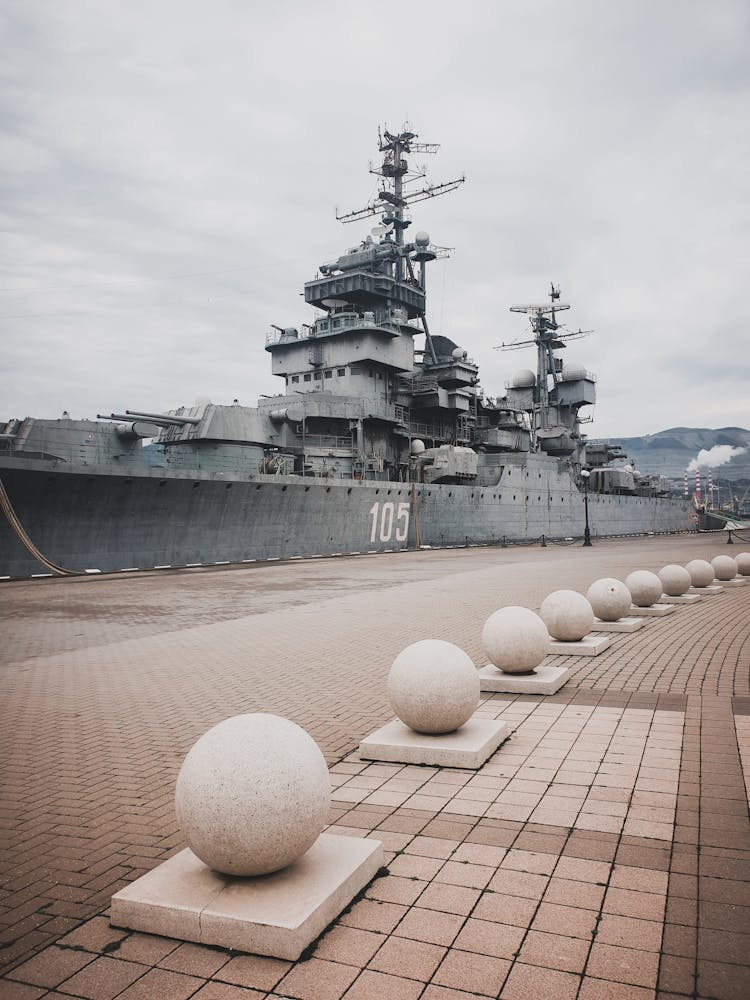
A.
x: 603, y: 852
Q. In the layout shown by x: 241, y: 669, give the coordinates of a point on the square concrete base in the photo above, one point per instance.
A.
x: 655, y: 611
x: 737, y: 581
x: 622, y: 625
x: 469, y: 746
x: 710, y: 591
x: 277, y: 915
x: 544, y: 680
x: 590, y: 645
x: 681, y: 599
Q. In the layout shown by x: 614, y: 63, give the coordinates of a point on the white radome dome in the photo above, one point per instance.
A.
x: 572, y: 371
x: 524, y: 378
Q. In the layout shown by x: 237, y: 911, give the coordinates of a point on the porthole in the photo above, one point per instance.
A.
x: 196, y: 485
x: 307, y: 489
x: 284, y: 489
x: 228, y: 486
x: 348, y: 492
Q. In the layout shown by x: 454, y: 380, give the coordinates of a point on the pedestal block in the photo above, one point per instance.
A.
x: 590, y: 645
x: 544, y: 680
x: 655, y: 611
x: 277, y: 915
x: 627, y: 624
x: 470, y: 746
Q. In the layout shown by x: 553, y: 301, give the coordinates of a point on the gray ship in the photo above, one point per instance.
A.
x: 382, y: 440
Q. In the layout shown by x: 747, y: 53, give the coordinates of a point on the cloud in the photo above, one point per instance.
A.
x: 604, y: 146
x: 720, y: 454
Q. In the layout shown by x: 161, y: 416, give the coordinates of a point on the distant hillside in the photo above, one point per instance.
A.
x: 670, y: 452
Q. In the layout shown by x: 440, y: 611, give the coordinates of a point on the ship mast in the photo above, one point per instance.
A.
x: 393, y: 198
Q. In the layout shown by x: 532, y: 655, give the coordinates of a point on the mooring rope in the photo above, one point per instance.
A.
x: 12, y: 518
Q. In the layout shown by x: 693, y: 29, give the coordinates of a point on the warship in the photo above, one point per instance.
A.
x: 383, y: 438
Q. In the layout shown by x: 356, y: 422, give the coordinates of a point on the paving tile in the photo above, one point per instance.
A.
x: 194, y: 960
x: 430, y: 926
x: 51, y: 967
x: 722, y: 981
x: 600, y: 989
x: 224, y: 991
x: 254, y: 971
x: 407, y: 957
x: 474, y: 973
x: 503, y: 909
x: 349, y: 945
x: 526, y: 981
x: 22, y: 991
x: 628, y: 932
x: 317, y: 980
x: 163, y: 984
x: 449, y: 898
x: 588, y: 895
x: 103, y: 979
x: 554, y: 951
x: 574, y: 921
x: 372, y: 985
x: 489, y: 938
x: 623, y: 965
x: 372, y: 915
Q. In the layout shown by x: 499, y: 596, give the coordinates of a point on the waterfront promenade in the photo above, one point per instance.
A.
x: 603, y: 853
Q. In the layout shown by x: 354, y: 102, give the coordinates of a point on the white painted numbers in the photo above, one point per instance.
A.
x: 384, y: 516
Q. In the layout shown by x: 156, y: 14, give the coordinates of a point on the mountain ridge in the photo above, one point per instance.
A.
x: 669, y: 452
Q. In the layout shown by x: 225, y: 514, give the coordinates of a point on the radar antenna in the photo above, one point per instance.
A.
x: 547, y: 338
x: 392, y: 199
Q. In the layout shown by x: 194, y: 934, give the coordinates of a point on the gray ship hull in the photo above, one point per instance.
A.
x: 91, y: 518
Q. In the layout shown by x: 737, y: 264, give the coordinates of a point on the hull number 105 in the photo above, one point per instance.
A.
x: 385, y: 517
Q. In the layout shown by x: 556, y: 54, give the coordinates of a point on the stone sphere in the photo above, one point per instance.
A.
x: 515, y: 639
x: 675, y: 580
x: 701, y: 572
x: 433, y: 686
x: 567, y: 615
x: 725, y: 568
x: 609, y: 598
x: 743, y: 563
x: 645, y: 588
x: 252, y: 795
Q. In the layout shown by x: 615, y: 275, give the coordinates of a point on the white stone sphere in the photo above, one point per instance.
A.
x: 675, y: 580
x: 252, y: 795
x: 701, y: 572
x: 645, y: 588
x: 515, y: 639
x: 567, y: 615
x: 725, y: 568
x: 433, y: 686
x: 743, y: 563
x: 609, y: 598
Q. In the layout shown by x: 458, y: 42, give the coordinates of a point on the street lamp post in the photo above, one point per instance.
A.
x: 586, y: 532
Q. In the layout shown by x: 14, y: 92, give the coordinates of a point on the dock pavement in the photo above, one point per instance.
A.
x: 603, y: 853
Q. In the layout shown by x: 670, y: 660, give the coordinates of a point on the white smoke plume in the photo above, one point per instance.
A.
x: 720, y: 454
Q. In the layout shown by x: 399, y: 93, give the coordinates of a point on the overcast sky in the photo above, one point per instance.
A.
x: 170, y: 172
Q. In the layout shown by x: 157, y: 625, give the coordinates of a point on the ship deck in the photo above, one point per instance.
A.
x: 608, y: 856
